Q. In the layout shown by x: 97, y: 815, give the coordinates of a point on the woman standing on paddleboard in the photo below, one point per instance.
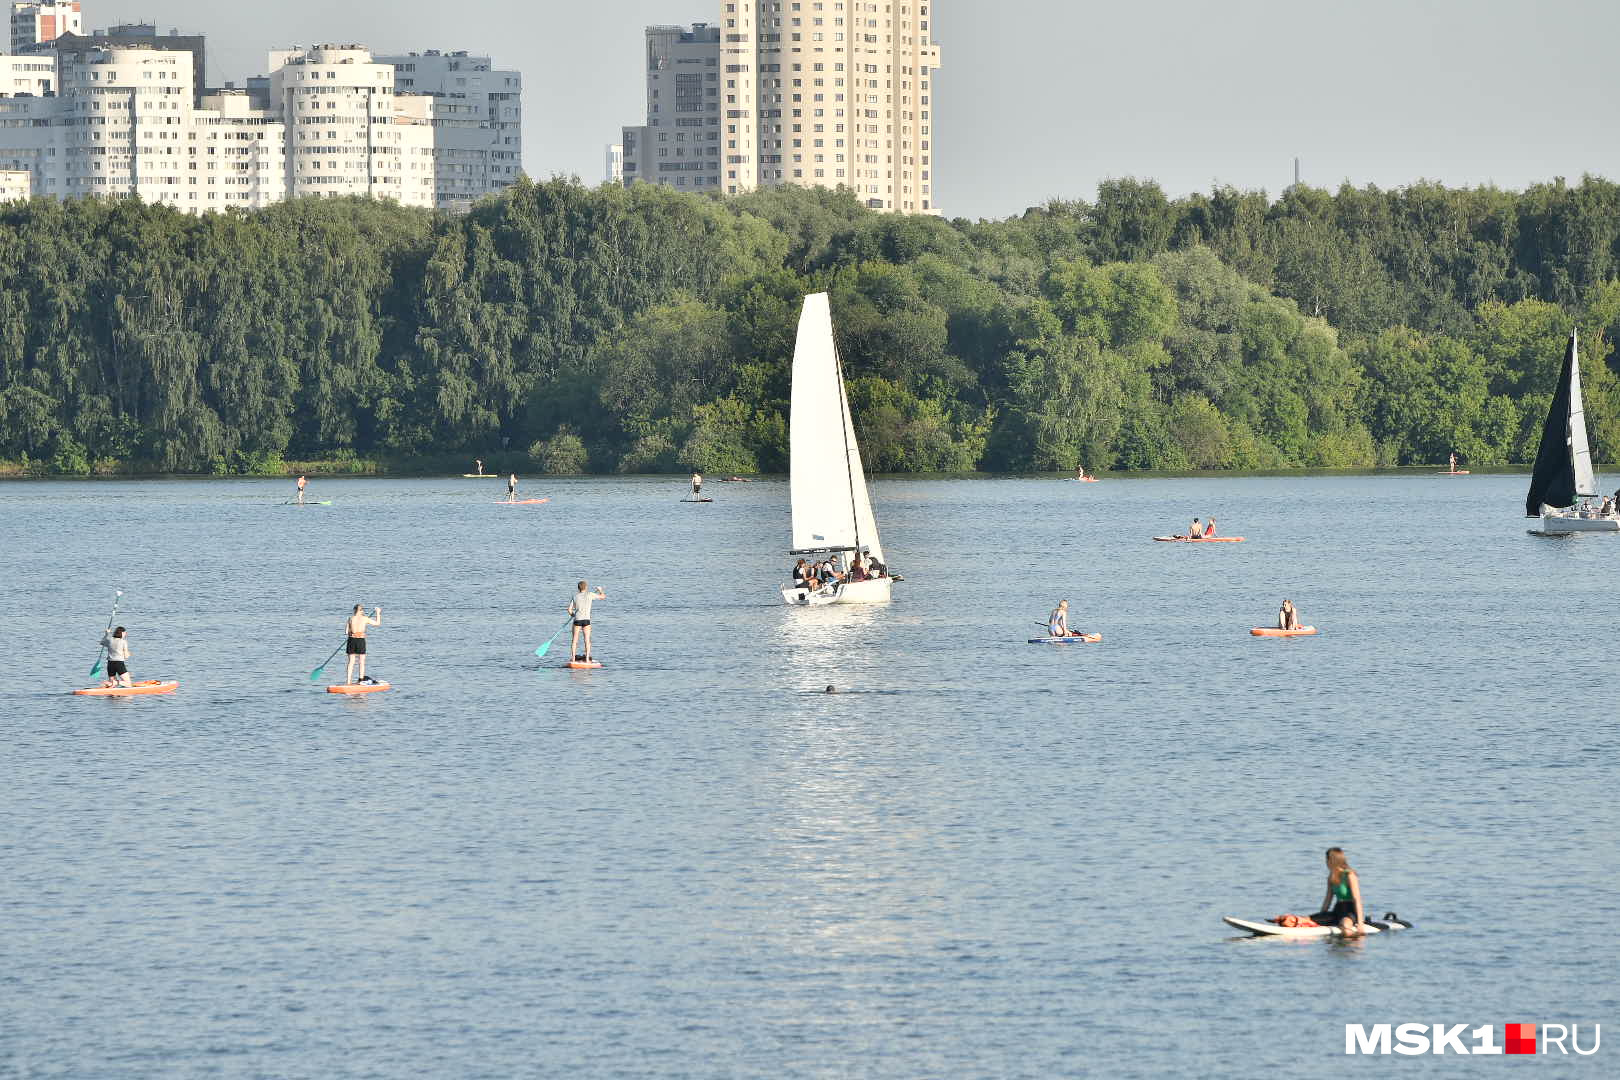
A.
x: 117, y: 646
x: 355, y: 647
x: 580, y: 608
x: 1342, y: 904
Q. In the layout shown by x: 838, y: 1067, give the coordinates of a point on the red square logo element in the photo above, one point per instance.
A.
x: 1521, y: 1038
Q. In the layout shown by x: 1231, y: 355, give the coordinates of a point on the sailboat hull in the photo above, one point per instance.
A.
x: 1558, y: 524
x: 871, y: 591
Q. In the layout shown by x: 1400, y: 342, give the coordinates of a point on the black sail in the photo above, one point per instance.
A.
x: 1552, y: 481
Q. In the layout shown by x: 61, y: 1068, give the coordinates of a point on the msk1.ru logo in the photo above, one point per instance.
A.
x: 1461, y: 1039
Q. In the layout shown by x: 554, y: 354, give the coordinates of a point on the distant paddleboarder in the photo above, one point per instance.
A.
x: 697, y: 484
x: 580, y: 608
x: 1209, y: 529
x: 511, y: 488
x: 301, y: 483
x: 478, y: 464
x: 1287, y: 617
x: 1195, y: 530
x: 355, y: 647
x: 117, y: 646
x: 1057, y: 623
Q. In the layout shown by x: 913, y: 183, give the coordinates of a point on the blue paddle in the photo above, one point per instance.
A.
x: 315, y: 675
x: 542, y: 650
x: 102, y: 651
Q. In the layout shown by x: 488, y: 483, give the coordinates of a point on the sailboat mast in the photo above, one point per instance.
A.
x: 849, y: 471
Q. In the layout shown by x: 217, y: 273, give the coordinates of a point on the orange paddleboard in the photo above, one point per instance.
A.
x: 584, y: 663
x: 145, y: 686
x: 356, y: 688
x: 1272, y: 631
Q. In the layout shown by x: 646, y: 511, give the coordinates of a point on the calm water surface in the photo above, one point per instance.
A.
x: 982, y: 859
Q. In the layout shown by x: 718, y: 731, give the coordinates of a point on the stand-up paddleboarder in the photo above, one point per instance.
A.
x: 580, y: 608
x: 355, y: 647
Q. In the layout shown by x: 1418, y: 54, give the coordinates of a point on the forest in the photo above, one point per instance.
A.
x: 566, y: 329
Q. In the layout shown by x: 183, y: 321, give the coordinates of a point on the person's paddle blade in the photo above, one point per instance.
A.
x: 540, y: 652
x: 96, y: 668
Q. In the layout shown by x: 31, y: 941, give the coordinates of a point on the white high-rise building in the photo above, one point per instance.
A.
x: 127, y: 120
x: 613, y: 163
x: 33, y: 23
x: 476, y: 112
x: 825, y: 93
x: 347, y: 131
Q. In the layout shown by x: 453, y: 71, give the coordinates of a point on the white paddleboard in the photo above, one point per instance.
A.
x: 1270, y: 929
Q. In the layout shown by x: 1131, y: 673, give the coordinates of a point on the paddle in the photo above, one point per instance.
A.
x: 316, y: 674
x: 542, y: 650
x: 102, y: 651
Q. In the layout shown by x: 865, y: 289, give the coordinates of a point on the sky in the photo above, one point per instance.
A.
x: 1042, y: 99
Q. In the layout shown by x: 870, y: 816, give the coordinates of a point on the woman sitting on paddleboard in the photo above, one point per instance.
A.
x: 1057, y: 623
x: 1342, y: 904
x: 117, y: 646
x: 1287, y: 617
x: 1209, y: 528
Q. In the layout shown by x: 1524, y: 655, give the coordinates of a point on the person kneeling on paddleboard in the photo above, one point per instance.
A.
x: 117, y: 646
x: 1287, y: 617
x: 355, y: 646
x: 1057, y: 623
x: 580, y: 608
x: 1341, y: 906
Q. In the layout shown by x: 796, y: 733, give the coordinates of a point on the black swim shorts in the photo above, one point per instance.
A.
x: 582, y: 622
x: 356, y: 646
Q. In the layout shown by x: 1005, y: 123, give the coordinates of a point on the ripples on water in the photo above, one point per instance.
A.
x: 979, y: 858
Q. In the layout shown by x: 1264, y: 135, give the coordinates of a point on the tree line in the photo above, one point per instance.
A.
x: 607, y: 329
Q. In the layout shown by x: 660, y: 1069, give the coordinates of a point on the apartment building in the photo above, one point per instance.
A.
x: 475, y: 111
x: 679, y: 145
x: 613, y: 163
x: 33, y: 23
x: 15, y: 184
x: 348, y: 133
x: 128, y: 120
x: 826, y: 93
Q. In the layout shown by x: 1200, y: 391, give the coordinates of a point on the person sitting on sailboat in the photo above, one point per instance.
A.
x: 876, y: 568
x: 1287, y: 617
x: 802, y: 578
x: 857, y: 569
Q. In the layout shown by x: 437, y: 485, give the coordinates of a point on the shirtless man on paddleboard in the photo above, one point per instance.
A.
x: 356, y: 645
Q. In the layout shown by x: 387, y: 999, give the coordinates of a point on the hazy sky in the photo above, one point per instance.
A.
x: 1043, y: 98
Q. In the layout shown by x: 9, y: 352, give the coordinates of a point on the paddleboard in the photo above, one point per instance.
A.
x: 479, y: 476
x: 1200, y: 539
x: 584, y: 664
x: 1446, y: 472
x: 523, y: 502
x: 1272, y: 631
x: 704, y: 499
x: 1081, y: 479
x: 1271, y: 929
x: 145, y: 686
x: 1072, y: 639
x: 308, y: 502
x: 357, y: 688
x: 735, y: 480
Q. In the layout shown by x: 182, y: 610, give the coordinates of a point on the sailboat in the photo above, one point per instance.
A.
x: 832, y: 512
x: 1562, y: 477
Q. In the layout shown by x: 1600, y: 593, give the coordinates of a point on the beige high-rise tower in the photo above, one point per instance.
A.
x: 825, y: 93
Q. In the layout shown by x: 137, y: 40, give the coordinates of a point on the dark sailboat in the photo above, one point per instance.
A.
x: 1562, y: 475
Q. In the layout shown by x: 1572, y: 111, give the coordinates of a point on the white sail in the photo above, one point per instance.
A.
x: 1580, y: 451
x: 831, y: 508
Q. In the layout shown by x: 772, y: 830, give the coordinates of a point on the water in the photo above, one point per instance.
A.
x: 982, y: 859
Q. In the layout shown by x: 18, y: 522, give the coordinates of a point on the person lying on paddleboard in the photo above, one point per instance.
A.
x: 355, y: 646
x: 1341, y: 906
x: 580, y: 608
x: 117, y: 646
x: 1287, y: 617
